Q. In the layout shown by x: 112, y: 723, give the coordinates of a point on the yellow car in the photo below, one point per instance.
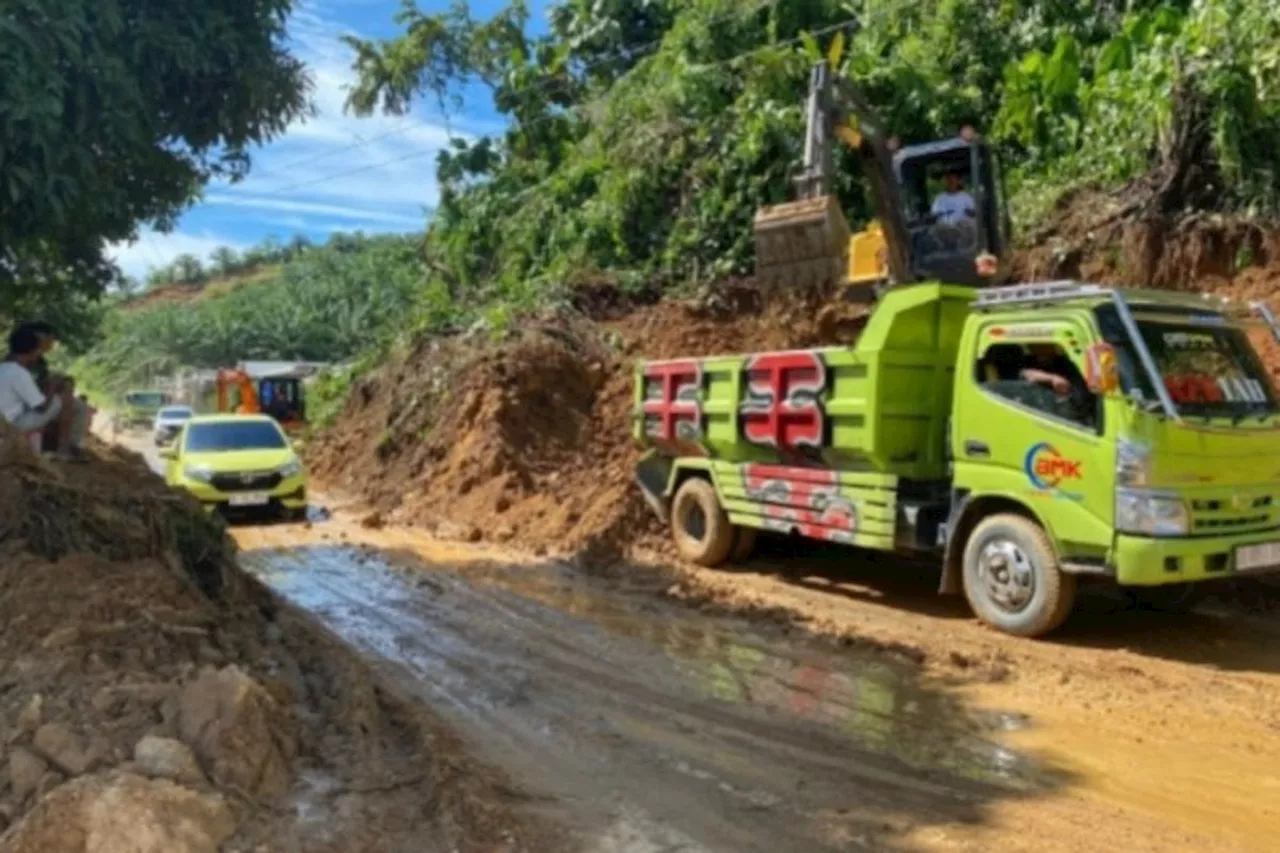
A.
x: 238, y: 462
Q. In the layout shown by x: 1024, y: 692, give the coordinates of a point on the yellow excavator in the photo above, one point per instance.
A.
x: 807, y: 242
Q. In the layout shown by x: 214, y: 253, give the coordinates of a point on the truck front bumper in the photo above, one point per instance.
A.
x: 1143, y: 561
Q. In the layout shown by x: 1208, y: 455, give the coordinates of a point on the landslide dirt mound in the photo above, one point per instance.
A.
x: 155, y: 700
x: 528, y: 439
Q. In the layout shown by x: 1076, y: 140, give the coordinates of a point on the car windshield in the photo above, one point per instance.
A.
x: 145, y: 398
x: 175, y: 414
x: 1206, y: 364
x: 234, y: 435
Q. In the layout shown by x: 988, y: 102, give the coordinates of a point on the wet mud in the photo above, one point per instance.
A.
x: 640, y: 724
x: 647, y: 724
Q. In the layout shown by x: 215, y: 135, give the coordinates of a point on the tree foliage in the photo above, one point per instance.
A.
x: 115, y: 113
x: 644, y: 133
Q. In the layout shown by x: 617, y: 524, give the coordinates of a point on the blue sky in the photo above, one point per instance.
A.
x: 333, y: 172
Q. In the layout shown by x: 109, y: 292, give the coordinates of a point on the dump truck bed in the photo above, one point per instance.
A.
x: 879, y: 406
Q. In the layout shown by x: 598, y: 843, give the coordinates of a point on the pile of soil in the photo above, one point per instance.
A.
x: 528, y: 439
x: 155, y: 700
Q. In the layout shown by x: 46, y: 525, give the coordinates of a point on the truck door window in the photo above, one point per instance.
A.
x: 1041, y: 377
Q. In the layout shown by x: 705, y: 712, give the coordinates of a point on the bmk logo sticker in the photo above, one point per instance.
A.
x: 1047, y: 469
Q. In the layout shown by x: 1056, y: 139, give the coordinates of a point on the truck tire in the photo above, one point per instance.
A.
x: 744, y: 544
x: 702, y: 532
x: 1012, y: 578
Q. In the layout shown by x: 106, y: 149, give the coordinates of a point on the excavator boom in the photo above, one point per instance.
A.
x: 806, y: 243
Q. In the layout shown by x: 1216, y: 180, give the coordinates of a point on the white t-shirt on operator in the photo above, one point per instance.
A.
x: 18, y: 391
x: 950, y: 208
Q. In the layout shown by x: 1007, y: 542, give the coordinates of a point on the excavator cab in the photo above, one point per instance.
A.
x: 971, y: 247
x: 807, y: 242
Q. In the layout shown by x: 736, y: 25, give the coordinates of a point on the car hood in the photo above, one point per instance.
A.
x: 239, y: 460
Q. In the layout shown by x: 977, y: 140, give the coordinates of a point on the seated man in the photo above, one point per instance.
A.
x: 22, y: 403
x: 1049, y: 367
x: 955, y: 213
x: 67, y: 435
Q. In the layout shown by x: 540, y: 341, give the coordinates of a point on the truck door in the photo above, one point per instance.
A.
x: 1015, y: 436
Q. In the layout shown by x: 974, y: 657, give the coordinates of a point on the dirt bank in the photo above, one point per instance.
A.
x: 153, y: 699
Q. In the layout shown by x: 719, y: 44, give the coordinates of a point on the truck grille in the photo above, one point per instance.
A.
x: 248, y: 481
x: 1238, y: 512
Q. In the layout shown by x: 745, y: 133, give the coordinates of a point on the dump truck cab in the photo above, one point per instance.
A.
x: 1151, y: 461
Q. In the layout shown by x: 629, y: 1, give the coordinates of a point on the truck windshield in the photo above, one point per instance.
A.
x: 1206, y: 364
x: 145, y: 398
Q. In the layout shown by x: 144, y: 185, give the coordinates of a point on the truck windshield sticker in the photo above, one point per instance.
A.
x: 1047, y: 469
x: 1200, y: 388
x: 782, y: 407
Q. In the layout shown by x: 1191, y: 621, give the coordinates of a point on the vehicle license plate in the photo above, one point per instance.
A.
x: 248, y: 500
x: 1252, y: 558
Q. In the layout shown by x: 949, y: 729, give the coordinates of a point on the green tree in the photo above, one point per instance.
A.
x: 225, y: 260
x: 116, y: 113
x: 187, y: 269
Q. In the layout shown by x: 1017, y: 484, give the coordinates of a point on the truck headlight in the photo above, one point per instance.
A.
x: 198, y: 473
x: 1133, y: 463
x: 292, y: 468
x: 1151, y: 514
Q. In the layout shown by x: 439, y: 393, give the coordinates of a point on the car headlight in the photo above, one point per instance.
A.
x: 198, y: 473
x: 292, y: 468
x: 1151, y: 514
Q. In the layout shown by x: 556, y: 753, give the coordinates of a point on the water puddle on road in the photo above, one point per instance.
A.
x: 867, y: 700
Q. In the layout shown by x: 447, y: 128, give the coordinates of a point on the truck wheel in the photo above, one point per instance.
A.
x: 1012, y: 578
x: 701, y: 530
x: 744, y: 544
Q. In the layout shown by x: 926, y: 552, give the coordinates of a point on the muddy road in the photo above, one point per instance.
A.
x: 647, y: 724
x: 820, y: 701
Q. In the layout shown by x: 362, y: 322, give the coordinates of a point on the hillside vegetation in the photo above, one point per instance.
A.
x: 645, y: 133
x: 327, y: 303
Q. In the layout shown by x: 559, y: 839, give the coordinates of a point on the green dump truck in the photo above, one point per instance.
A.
x: 1155, y: 464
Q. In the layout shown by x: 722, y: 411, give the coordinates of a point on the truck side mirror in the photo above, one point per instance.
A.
x: 1101, y: 372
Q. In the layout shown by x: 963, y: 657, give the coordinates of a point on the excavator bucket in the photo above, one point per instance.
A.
x: 801, y: 244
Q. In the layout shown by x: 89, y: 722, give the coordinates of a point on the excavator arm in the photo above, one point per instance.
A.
x: 806, y: 243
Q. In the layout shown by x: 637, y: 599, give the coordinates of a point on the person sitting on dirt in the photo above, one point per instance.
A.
x: 22, y: 403
x: 954, y: 213
x: 67, y: 436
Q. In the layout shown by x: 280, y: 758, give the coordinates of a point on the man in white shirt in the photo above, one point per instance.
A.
x: 22, y: 403
x: 954, y: 212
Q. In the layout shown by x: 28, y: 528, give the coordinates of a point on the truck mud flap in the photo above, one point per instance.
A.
x: 653, y: 473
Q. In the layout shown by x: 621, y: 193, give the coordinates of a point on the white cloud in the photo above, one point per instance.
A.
x: 153, y: 249
x: 379, y: 169
x: 287, y: 206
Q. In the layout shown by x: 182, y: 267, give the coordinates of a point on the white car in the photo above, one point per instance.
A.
x: 169, y: 422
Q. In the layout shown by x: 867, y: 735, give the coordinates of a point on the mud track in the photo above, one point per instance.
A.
x: 647, y: 725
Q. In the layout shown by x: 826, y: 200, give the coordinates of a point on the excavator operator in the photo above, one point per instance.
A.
x: 954, y: 213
